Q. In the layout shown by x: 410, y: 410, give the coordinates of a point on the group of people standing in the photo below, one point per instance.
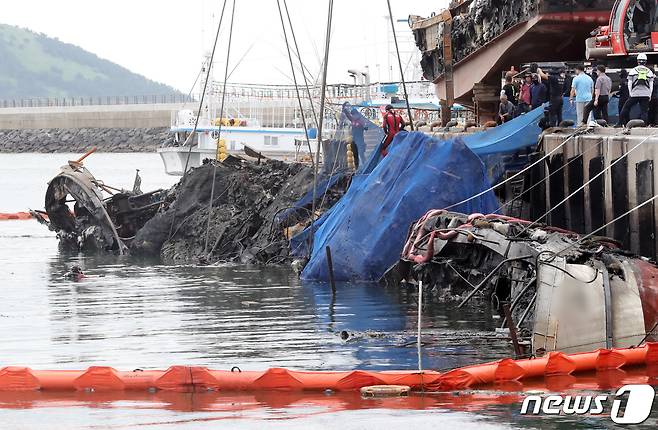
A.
x: 589, y: 93
x: 636, y: 87
x: 535, y: 88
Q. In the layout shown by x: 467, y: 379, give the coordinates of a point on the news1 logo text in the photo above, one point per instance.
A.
x: 631, y: 404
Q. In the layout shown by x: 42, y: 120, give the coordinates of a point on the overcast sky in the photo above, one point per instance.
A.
x: 165, y: 40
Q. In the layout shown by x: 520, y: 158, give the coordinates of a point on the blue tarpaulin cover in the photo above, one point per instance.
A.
x: 366, y: 229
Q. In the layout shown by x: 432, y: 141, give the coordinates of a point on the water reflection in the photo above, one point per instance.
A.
x: 139, y: 314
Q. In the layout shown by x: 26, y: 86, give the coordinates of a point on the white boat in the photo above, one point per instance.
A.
x: 267, y: 118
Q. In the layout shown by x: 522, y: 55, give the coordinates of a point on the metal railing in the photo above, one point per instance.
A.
x: 95, y: 100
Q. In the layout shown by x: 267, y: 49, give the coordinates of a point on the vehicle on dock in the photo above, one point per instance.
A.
x: 631, y: 31
x: 467, y: 46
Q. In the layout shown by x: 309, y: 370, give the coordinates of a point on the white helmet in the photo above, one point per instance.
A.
x: 642, y: 57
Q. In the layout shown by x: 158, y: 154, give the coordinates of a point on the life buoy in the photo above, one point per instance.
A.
x: 215, y: 134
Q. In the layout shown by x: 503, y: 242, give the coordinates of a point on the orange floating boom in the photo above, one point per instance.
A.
x: 191, y: 378
x: 15, y: 216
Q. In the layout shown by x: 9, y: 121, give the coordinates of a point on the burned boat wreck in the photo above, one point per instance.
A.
x: 250, y: 220
x: 565, y: 292
x: 96, y: 222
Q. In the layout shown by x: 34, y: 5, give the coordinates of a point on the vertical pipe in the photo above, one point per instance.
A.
x: 512, y: 331
x: 330, y: 265
x: 420, y: 314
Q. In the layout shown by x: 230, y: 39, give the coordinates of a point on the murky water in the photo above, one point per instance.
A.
x: 141, y: 314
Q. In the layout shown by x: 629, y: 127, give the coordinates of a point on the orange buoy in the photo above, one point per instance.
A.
x: 15, y: 216
x: 553, y: 367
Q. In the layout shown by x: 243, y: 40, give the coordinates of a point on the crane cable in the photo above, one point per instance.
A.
x: 301, y: 64
x: 397, y: 50
x: 196, y: 121
x: 321, y: 117
x: 294, y: 78
x: 219, y: 135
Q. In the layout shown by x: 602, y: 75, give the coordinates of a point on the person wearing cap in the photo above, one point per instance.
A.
x: 602, y: 89
x: 640, y: 88
x: 505, y: 109
x: 582, y: 87
x: 538, y: 92
x: 392, y: 123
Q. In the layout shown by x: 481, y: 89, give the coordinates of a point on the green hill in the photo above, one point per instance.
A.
x: 35, y: 65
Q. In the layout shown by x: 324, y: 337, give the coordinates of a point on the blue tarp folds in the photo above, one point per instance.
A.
x: 366, y: 229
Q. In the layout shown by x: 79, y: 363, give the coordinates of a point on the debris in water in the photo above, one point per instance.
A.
x: 565, y: 292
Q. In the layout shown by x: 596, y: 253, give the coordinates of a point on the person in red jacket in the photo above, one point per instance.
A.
x: 392, y: 123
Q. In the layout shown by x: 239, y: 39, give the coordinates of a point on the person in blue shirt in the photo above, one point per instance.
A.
x: 582, y: 87
x: 538, y: 92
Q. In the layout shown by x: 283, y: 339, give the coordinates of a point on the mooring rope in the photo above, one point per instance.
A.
x: 574, y: 159
x: 584, y: 185
x: 577, y: 132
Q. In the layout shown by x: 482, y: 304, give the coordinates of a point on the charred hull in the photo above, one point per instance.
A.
x: 253, y: 214
x: 564, y: 293
x: 95, y: 222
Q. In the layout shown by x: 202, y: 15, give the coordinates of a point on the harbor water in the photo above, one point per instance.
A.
x: 142, y: 314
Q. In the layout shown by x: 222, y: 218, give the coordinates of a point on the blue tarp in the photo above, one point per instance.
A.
x: 366, y: 229
x: 519, y: 133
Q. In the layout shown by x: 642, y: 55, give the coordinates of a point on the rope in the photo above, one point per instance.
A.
x: 584, y: 185
x: 301, y: 64
x: 198, y: 114
x: 397, y: 50
x: 498, y: 185
x: 219, y: 133
x: 646, y: 202
x: 321, y: 119
x: 294, y: 78
x: 600, y: 141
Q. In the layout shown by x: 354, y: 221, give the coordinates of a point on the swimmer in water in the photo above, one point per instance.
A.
x: 75, y: 273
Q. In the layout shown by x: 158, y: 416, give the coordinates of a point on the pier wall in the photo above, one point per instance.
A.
x: 626, y: 183
x: 102, y: 116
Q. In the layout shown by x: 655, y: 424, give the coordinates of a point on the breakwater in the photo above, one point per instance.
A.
x: 81, y: 139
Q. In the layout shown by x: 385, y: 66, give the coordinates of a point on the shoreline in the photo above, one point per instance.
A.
x: 109, y: 140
